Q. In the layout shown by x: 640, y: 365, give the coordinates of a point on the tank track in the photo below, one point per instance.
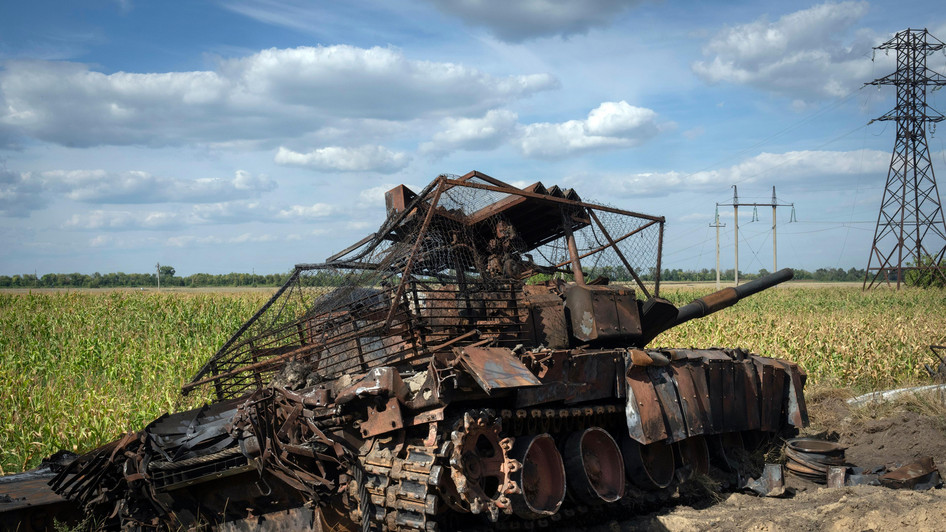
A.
x: 398, y: 493
x: 407, y: 487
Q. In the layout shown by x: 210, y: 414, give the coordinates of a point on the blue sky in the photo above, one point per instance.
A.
x: 257, y: 134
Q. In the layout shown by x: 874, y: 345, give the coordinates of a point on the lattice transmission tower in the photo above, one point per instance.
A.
x: 911, y: 232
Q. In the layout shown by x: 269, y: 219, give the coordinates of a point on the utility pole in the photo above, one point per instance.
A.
x: 157, y: 267
x: 735, y: 224
x: 717, y: 225
x: 774, y: 246
x: 735, y: 205
x: 911, y: 210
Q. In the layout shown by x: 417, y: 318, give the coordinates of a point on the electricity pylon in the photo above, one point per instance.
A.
x: 910, y: 232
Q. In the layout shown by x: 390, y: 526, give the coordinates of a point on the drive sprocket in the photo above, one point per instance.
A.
x: 481, y: 465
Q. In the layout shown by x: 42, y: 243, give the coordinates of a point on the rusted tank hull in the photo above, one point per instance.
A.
x: 376, y: 448
x: 463, y: 370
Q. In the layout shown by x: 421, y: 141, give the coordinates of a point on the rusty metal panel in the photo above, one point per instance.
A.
x: 774, y: 378
x: 591, y: 377
x: 698, y: 373
x: 27, y: 503
x: 731, y: 408
x: 296, y: 519
x: 382, y: 419
x: 781, y: 383
x: 601, y: 312
x: 496, y: 368
x: 546, y: 319
x: 796, y: 409
x: 740, y: 418
x: 667, y: 393
x: 382, y: 381
x: 714, y: 381
x: 690, y: 402
x: 627, y: 313
x: 718, y: 369
x: 645, y: 423
x: 745, y: 370
x: 768, y: 419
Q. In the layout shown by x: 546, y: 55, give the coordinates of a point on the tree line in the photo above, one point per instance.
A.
x: 135, y: 280
x: 620, y: 274
x: 170, y: 279
x: 821, y: 274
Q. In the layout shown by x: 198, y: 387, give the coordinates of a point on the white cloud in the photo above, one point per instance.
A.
x: 99, y: 186
x: 275, y: 93
x: 486, y: 133
x: 20, y: 193
x: 305, y: 212
x: 526, y: 19
x: 610, y: 125
x: 375, y: 195
x: 223, y: 213
x: 124, y: 220
x: 801, y: 55
x: 100, y: 241
x: 339, y: 159
x: 229, y: 212
x: 796, y: 166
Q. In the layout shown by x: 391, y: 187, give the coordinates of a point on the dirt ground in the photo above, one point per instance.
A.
x: 875, y: 435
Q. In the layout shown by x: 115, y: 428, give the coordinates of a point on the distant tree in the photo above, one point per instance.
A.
x: 167, y: 271
x: 931, y: 276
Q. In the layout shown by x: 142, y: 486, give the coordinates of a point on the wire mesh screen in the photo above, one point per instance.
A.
x: 445, y: 270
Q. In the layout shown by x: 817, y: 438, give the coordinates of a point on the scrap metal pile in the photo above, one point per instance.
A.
x: 479, y: 361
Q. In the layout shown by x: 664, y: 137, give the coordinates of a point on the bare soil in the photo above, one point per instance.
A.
x: 875, y: 436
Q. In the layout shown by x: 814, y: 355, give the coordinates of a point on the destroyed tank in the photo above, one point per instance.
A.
x: 481, y: 361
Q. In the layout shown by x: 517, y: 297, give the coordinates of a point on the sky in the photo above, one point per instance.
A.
x: 252, y: 135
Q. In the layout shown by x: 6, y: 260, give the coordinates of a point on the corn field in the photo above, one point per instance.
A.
x: 77, y: 369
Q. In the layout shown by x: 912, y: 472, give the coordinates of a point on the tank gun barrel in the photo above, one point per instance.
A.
x: 727, y: 297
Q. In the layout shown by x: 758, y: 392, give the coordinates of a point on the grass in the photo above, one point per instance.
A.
x: 77, y: 368
x: 842, y: 336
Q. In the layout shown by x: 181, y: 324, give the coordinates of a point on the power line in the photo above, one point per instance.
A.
x: 735, y: 205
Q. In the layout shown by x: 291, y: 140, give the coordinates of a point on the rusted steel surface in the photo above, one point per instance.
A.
x: 541, y: 477
x: 812, y: 458
x: 693, y: 453
x: 417, y: 382
x: 771, y: 483
x: 650, y: 466
x: 669, y: 402
x: 27, y: 503
x: 644, y: 415
x: 594, y: 466
x: 921, y: 474
x: 496, y: 368
x: 691, y: 402
x: 602, y: 313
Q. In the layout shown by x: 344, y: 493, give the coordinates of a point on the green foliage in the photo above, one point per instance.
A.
x: 830, y: 275
x: 842, y: 336
x: 79, y: 368
x: 325, y: 278
x: 932, y: 274
x: 128, y: 280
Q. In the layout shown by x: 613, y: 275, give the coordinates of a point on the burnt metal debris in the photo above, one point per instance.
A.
x: 937, y: 373
x: 813, y: 459
x: 473, y: 363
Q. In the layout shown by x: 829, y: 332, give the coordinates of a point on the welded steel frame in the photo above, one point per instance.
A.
x: 385, y: 333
